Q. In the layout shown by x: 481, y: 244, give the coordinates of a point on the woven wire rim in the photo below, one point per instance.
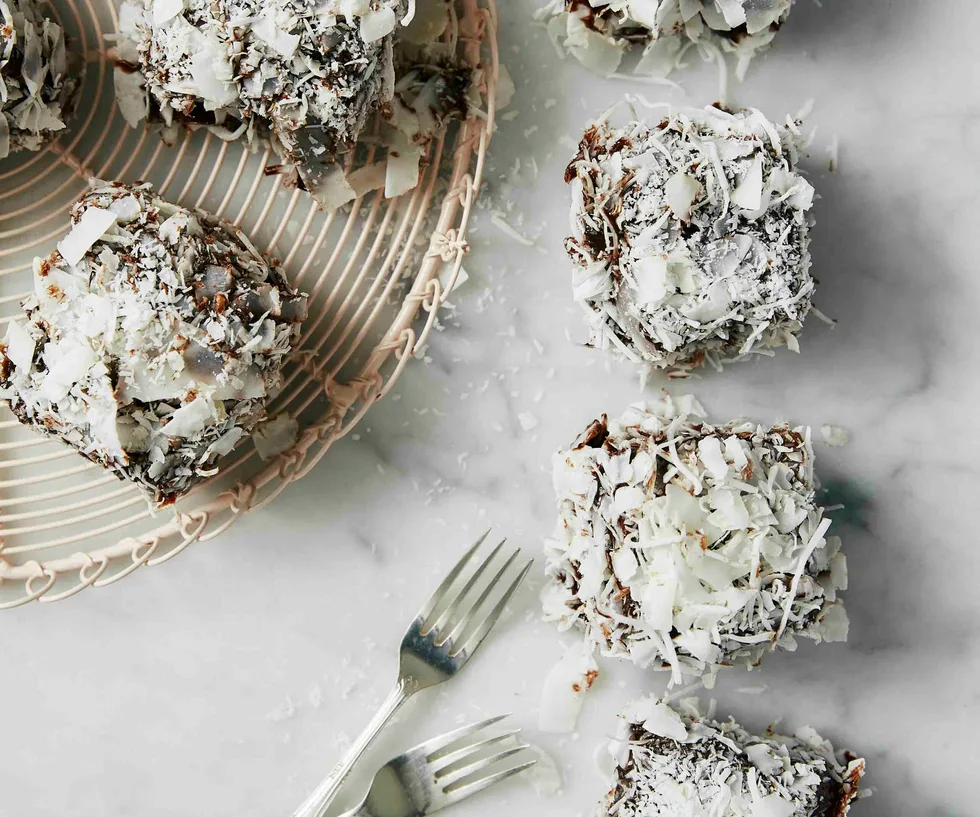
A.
x: 66, y: 525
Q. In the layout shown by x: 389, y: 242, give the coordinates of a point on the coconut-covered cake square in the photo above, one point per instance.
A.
x: 153, y: 339
x: 690, y: 546
x: 677, y: 759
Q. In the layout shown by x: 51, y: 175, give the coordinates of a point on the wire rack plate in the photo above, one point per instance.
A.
x: 377, y: 276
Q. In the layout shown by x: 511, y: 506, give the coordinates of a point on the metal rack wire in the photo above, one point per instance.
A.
x: 377, y: 276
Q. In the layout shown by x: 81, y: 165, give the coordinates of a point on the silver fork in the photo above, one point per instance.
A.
x: 432, y: 651
x: 440, y: 772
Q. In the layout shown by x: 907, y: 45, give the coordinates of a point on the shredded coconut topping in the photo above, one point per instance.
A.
x: 690, y: 238
x: 675, y: 761
x: 37, y: 89
x: 686, y: 546
x: 303, y: 76
x: 154, y: 337
x: 599, y: 32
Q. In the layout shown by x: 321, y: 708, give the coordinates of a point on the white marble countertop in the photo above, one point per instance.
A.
x: 226, y: 681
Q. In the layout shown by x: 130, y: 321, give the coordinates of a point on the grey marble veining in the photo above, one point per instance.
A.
x: 226, y: 681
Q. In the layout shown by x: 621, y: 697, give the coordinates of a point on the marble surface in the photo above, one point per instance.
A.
x: 226, y: 681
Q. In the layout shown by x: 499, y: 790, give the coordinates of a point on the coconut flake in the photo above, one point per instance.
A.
x: 276, y: 436
x: 20, y: 346
x: 545, y: 775
x: 595, y: 52
x: 282, y: 42
x: 218, y: 92
x: 834, y: 436
x: 748, y: 193
x: 130, y: 95
x: 761, y: 15
x: 834, y: 623
x: 499, y: 221
x: 333, y: 190
x: 446, y: 272
x: 773, y: 805
x: 367, y: 179
x: 190, y: 419
x: 663, y: 721
x: 650, y: 279
x: 376, y: 25
x: 166, y: 10
x: 682, y: 191
x: 709, y: 449
x: 93, y: 224
x: 527, y: 420
x: 505, y: 89
x: 564, y: 689
x: 402, y: 173
x: 67, y: 363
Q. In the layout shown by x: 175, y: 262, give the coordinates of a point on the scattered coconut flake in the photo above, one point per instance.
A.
x: 527, y: 420
x: 275, y: 436
x: 545, y: 775
x: 283, y: 712
x: 748, y: 193
x: 500, y: 222
x: 446, y: 273
x: 834, y: 436
x: 334, y: 189
x: 267, y: 29
x: 402, y: 173
x: 505, y: 88
x: 565, y: 688
x: 425, y: 23
x: 431, y: 92
x: 366, y: 179
x: 833, y: 154
x: 574, y: 29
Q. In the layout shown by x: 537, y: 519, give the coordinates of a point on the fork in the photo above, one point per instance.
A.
x: 431, y: 652
x: 440, y: 772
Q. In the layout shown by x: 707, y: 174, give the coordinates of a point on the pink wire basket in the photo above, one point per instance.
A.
x: 377, y: 274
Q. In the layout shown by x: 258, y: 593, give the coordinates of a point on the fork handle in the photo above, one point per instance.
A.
x: 322, y: 796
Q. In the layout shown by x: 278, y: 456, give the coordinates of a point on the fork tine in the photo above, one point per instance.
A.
x: 431, y: 747
x: 468, y: 617
x: 445, y: 760
x: 453, y: 605
x: 457, y: 791
x: 467, y: 767
x: 476, y: 639
x: 434, y: 599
